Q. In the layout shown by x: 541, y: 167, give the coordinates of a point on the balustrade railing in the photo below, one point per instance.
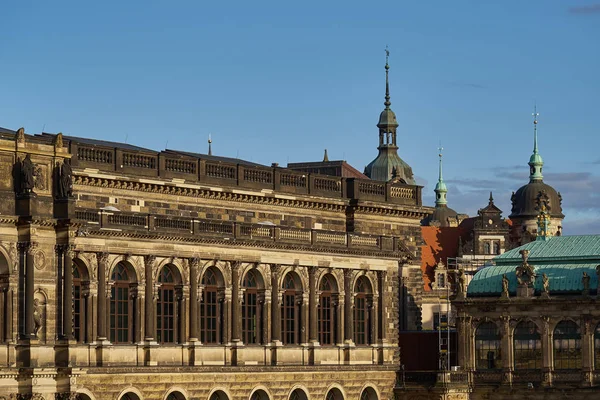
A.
x: 239, y: 230
x: 170, y: 165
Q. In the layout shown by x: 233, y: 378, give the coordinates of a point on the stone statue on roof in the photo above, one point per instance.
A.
x: 545, y: 283
x: 525, y: 272
x: 585, y: 280
x: 505, y: 292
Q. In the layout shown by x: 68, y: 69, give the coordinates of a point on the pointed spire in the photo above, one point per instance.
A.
x: 491, y: 198
x: 387, y: 102
x: 325, y: 157
x: 209, y: 145
x: 440, y: 188
x: 535, y: 161
x: 535, y: 115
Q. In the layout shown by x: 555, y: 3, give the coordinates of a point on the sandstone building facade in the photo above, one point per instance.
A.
x: 130, y: 274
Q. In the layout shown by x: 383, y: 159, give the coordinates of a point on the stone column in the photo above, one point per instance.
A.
x: 90, y: 301
x: 149, y: 262
x: 193, y: 263
x: 463, y: 334
x: 138, y: 305
x: 107, y: 298
x: 375, y: 320
x: 236, y: 314
x: 548, y: 349
x: 587, y: 351
x: 339, y: 315
x: 266, y: 319
x: 275, y: 306
x: 226, y: 321
x: 348, y: 307
x: 102, y: 260
x: 68, y: 292
x: 506, y: 347
x: 29, y: 324
x: 304, y: 317
x: 312, y: 305
x: 382, y: 336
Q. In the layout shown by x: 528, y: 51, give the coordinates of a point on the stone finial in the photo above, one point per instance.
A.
x: 21, y: 136
x: 58, y: 141
x: 525, y: 272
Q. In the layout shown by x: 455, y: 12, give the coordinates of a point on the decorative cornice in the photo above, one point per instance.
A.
x: 416, y: 214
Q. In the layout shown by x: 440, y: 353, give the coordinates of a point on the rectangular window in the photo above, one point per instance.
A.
x: 249, y: 318
x: 208, y: 317
x: 77, y: 313
x: 288, y: 319
x: 165, y: 318
x: 119, y: 315
x: 360, y: 320
x: 325, y: 321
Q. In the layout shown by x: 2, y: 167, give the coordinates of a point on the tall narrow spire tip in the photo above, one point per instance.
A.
x: 387, y: 102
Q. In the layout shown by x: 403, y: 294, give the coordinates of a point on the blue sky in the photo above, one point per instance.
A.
x: 281, y: 81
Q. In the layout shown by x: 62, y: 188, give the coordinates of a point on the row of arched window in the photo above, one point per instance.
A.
x: 334, y: 393
x: 211, y: 314
x: 527, y: 346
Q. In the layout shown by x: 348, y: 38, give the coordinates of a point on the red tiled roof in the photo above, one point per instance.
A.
x: 440, y: 243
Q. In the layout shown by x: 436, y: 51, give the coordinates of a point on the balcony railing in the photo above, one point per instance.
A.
x: 127, y: 221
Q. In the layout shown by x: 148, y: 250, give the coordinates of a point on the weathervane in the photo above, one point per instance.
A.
x: 387, y: 54
x: 535, y: 114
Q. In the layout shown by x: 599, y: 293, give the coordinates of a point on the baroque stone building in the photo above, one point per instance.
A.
x: 131, y: 274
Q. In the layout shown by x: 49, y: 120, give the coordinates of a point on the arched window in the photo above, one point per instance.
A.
x: 175, y: 396
x: 496, y: 247
x: 79, y: 328
x: 334, y: 394
x: 597, y: 347
x: 486, y: 248
x: 298, y: 394
x: 259, y: 395
x: 487, y: 347
x: 5, y: 308
x: 130, y: 396
x: 527, y: 346
x: 122, y: 305
x: 290, y: 309
x: 567, y: 346
x: 219, y: 395
x: 251, y: 310
x: 362, y: 311
x: 326, y: 311
x: 168, y: 305
x: 210, y: 309
x: 368, y: 394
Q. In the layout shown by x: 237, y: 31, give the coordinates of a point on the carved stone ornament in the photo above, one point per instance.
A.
x: 39, y: 260
x: 525, y: 272
x: 21, y: 136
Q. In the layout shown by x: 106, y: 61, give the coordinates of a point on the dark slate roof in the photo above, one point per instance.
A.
x: 103, y: 143
x: 524, y: 201
x: 215, y: 158
x: 4, y: 130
